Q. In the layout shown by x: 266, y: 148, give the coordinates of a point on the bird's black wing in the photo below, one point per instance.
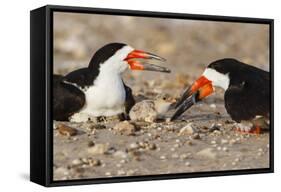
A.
x: 248, y: 94
x: 67, y: 99
x: 129, y: 101
x: 82, y: 77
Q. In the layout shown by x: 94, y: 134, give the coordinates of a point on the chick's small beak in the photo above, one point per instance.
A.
x: 137, y: 65
x: 200, y: 89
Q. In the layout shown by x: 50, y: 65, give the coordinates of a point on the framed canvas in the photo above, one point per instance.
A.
x: 122, y: 95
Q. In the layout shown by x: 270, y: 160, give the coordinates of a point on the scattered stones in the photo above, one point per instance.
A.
x: 133, y: 146
x: 189, y: 143
x: 207, y: 153
x: 120, y: 154
x: 66, y: 130
x: 213, y: 105
x: 224, y: 141
x: 177, y: 145
x: 196, y: 136
x: 225, y: 149
x: 214, y: 127
x: 125, y: 128
x: 152, y: 146
x: 189, y: 129
x: 61, y: 171
x: 163, y: 157
x: 213, y: 142
x: 94, y: 162
x: 121, y: 172
x: 98, y: 149
x: 131, y: 172
x: 77, y: 162
x: 90, y: 144
x: 185, y: 156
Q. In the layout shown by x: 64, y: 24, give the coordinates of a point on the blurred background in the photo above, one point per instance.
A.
x: 188, y: 45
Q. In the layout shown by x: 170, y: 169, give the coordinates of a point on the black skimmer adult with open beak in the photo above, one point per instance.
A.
x: 99, y: 90
x: 247, y: 91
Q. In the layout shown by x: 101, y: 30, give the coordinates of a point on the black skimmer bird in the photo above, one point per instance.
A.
x: 99, y: 90
x: 247, y: 91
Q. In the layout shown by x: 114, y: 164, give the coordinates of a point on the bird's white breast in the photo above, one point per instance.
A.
x: 218, y: 79
x: 106, y: 97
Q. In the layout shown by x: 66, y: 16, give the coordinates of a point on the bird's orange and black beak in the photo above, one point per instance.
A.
x: 138, y: 65
x: 200, y: 89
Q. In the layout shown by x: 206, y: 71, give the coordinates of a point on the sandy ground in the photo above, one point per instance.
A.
x: 94, y: 150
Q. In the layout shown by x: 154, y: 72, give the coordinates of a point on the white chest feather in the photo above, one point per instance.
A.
x: 106, y: 97
x: 218, y: 79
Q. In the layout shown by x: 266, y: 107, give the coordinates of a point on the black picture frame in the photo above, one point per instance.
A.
x: 41, y: 60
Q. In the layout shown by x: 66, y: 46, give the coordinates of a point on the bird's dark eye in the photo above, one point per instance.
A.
x: 164, y: 98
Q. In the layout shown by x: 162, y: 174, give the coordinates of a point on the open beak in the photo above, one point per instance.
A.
x: 200, y: 89
x: 137, y: 65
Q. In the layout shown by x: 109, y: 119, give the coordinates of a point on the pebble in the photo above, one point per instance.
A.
x: 94, y: 162
x: 185, y: 156
x: 152, y: 146
x: 98, y: 149
x: 163, y: 157
x: 224, y: 141
x: 187, y: 164
x: 189, y: 142
x: 175, y: 156
x: 177, y: 145
x: 121, y: 172
x: 131, y: 172
x: 66, y: 130
x: 124, y: 161
x: 178, y: 141
x: 133, y: 146
x: 77, y: 162
x: 55, y: 126
x: 207, y: 153
x: 237, y: 159
x: 108, y: 173
x: 196, y: 136
x: 225, y: 149
x: 120, y: 154
x: 189, y: 129
x: 125, y: 128
x: 90, y: 144
x: 213, y: 106
x: 213, y: 142
x: 214, y: 127
x: 61, y: 171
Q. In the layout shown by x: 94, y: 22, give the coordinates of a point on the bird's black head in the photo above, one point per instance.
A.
x: 224, y: 66
x: 104, y: 54
x: 117, y: 57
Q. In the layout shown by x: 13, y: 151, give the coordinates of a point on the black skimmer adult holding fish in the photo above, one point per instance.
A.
x: 99, y: 90
x: 247, y: 91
